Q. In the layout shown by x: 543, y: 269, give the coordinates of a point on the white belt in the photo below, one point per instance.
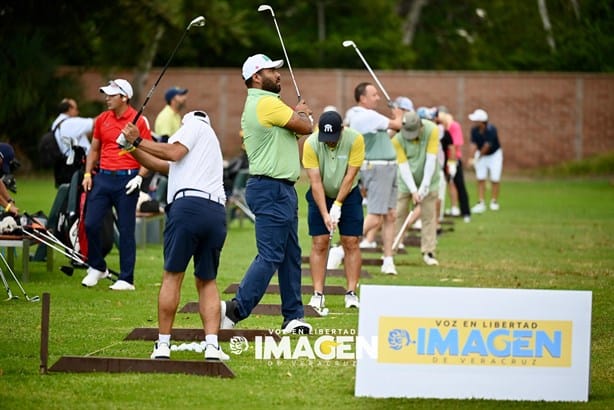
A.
x: 379, y: 162
x: 199, y: 194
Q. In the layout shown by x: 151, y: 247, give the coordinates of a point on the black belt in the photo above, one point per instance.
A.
x: 120, y: 172
x: 283, y: 181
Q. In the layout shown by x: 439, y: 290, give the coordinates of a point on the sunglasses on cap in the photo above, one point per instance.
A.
x: 114, y: 84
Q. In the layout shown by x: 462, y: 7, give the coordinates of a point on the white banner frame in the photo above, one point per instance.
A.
x: 552, y: 381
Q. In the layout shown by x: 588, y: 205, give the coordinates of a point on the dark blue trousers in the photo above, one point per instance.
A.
x: 110, y: 191
x: 275, y: 205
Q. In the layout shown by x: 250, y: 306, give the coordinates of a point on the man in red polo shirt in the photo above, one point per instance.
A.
x: 115, y: 184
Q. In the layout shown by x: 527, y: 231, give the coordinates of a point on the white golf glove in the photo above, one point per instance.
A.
x: 423, y: 191
x: 134, y: 184
x: 123, y: 142
x: 452, y: 168
x: 335, y: 213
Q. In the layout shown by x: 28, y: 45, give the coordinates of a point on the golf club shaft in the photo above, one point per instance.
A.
x: 151, y: 91
x: 281, y: 40
x: 58, y: 242
x: 8, y: 267
x: 283, y: 47
x: 54, y: 247
x: 62, y: 251
x: 397, y: 239
x: 379, y: 84
x: 330, y: 244
x: 6, y: 285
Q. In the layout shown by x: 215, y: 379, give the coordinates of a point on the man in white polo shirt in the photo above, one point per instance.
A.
x: 195, y: 222
x: 379, y: 171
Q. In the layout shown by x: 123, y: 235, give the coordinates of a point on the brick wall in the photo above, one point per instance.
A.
x: 542, y: 118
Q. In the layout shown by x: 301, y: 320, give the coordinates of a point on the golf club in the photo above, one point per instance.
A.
x: 70, y: 253
x: 8, y: 267
x: 350, y: 43
x: 197, y: 22
x: 398, y: 238
x: 8, y: 289
x: 266, y: 7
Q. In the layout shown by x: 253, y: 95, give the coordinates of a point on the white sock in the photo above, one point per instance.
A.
x: 211, y: 340
x: 164, y: 339
x: 388, y: 260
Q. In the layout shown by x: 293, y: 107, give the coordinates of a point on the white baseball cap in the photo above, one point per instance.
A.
x: 118, y: 86
x: 258, y: 62
x: 479, y: 115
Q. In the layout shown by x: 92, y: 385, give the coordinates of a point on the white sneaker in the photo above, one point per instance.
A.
x: 215, y: 353
x: 317, y: 300
x: 351, y: 300
x: 122, y: 285
x: 479, y: 208
x: 494, y: 206
x: 467, y: 219
x: 454, y: 211
x: 365, y: 244
x: 389, y: 268
x: 93, y: 276
x: 298, y: 326
x: 225, y: 322
x: 161, y: 351
x: 429, y: 259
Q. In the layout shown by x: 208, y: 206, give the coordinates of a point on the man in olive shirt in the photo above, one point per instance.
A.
x: 417, y: 145
x: 270, y: 135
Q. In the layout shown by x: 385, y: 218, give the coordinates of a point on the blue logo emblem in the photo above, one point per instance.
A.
x: 398, y: 338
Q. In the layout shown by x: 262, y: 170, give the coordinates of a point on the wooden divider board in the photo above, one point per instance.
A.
x: 305, y: 289
x: 197, y: 335
x: 332, y: 272
x: 90, y: 364
x: 260, y: 309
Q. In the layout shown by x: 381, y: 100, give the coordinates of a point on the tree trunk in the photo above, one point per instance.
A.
x: 411, y: 21
x: 576, y: 8
x: 543, y: 12
x: 142, y: 70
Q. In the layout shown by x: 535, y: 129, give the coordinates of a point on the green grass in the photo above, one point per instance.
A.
x: 552, y: 234
x: 596, y: 165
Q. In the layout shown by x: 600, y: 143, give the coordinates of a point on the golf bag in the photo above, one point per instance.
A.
x: 65, y: 167
x: 69, y: 228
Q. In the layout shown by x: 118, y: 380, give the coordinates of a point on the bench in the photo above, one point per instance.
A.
x: 11, y: 242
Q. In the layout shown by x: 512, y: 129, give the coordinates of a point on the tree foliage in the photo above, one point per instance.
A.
x: 39, y: 37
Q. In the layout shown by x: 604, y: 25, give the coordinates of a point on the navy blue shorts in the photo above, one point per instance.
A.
x: 195, y: 227
x: 351, y: 220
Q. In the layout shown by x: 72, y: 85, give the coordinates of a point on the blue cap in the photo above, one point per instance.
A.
x: 172, y: 92
x: 7, y: 154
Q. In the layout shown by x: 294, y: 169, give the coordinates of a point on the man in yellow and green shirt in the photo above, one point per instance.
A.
x: 270, y: 135
x: 332, y: 157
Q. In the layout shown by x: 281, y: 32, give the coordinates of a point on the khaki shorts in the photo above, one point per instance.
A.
x: 380, y: 182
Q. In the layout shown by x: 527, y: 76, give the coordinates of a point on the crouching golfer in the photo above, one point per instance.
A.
x: 332, y: 157
x: 195, y: 222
